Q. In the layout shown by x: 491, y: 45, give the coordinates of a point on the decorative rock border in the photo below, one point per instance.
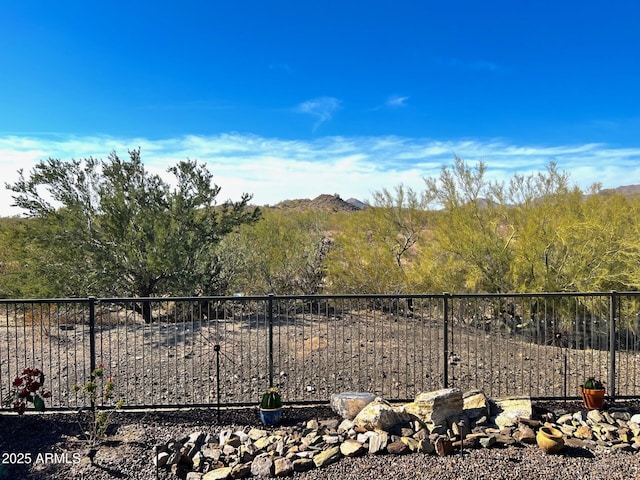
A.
x: 279, y: 452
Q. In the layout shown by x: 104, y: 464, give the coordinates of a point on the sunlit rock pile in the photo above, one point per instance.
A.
x: 435, y: 423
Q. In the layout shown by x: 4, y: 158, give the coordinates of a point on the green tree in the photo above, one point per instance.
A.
x: 18, y: 258
x: 110, y: 228
x: 376, y: 248
x: 471, y: 239
x: 283, y: 253
x: 536, y: 206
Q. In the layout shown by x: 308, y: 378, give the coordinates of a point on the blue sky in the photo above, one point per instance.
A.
x: 290, y: 99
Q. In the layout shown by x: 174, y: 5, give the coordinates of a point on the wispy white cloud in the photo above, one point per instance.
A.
x: 274, y: 169
x: 392, y: 102
x: 396, y: 101
x: 323, y: 108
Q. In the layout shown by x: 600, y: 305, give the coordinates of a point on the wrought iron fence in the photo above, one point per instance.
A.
x: 227, y: 350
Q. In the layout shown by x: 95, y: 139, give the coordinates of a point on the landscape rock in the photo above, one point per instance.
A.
x: 583, y: 432
x: 487, y: 442
x: 242, y: 470
x: 262, y: 466
x: 564, y: 419
x: 398, y: 448
x: 378, y: 415
x: 349, y: 404
x: 378, y: 442
x: 218, y: 474
x: 327, y: 456
x: 475, y: 404
x: 443, y: 446
x: 315, y: 443
x: 525, y: 434
x: 436, y: 407
x: 351, y: 448
x: 282, y: 467
x: 511, y: 409
x: 425, y: 446
x: 302, y: 464
x: 161, y: 459
x: 412, y: 443
x: 256, y: 433
x: 345, y: 426
x: 595, y: 416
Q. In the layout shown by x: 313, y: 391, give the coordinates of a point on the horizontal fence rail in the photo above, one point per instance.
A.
x: 217, y: 351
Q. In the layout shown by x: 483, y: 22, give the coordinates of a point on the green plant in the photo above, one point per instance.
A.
x: 28, y: 387
x: 592, y: 384
x: 271, y: 399
x: 95, y: 389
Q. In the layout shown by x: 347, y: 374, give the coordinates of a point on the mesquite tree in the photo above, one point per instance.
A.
x: 113, y: 229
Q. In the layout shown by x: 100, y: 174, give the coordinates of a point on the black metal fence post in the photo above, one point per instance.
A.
x: 92, y: 334
x: 216, y: 348
x: 445, y: 327
x: 92, y: 340
x: 613, y: 304
x: 270, y: 339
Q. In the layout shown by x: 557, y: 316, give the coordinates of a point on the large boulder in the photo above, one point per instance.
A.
x: 437, y: 406
x: 475, y: 404
x: 349, y: 404
x: 510, y: 409
x: 379, y: 415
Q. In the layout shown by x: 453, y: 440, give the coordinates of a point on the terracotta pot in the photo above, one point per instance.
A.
x: 550, y: 439
x: 592, y: 399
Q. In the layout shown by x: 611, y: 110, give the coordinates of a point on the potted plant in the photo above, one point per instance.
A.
x: 592, y: 392
x: 271, y: 407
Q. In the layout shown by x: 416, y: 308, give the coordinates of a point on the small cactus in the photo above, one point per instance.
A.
x: 271, y: 399
x: 592, y: 384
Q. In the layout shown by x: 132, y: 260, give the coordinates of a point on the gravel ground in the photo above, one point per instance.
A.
x: 127, y: 452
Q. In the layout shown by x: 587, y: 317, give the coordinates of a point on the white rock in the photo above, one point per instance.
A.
x: 378, y: 442
x: 378, y: 415
x: 349, y: 404
x: 511, y: 409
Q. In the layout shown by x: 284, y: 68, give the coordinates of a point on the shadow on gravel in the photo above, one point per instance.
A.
x: 246, y: 416
x: 576, y: 452
x: 113, y: 473
x: 24, y: 440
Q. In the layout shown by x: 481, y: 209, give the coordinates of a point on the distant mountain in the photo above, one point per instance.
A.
x: 630, y: 190
x: 357, y: 203
x: 322, y: 202
x: 336, y: 204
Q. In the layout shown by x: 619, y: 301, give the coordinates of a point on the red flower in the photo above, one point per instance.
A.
x: 17, y: 382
